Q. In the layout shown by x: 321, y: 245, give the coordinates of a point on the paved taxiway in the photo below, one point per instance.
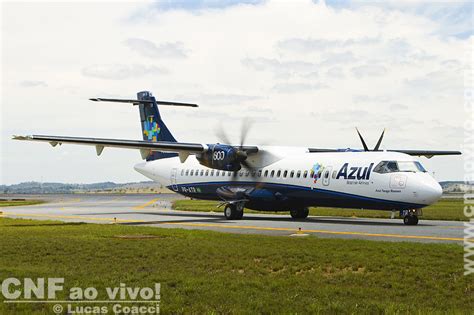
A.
x: 155, y: 210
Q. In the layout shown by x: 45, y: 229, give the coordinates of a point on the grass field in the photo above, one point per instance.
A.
x: 204, y: 272
x: 445, y: 209
x: 11, y: 203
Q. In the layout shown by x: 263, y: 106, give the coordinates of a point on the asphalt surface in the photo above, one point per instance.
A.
x: 155, y: 210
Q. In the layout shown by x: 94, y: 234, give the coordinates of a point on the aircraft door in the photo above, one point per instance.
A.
x: 174, y: 185
x: 327, y: 175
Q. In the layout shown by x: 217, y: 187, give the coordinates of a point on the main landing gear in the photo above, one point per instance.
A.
x: 301, y: 213
x: 410, y: 217
x: 234, y: 211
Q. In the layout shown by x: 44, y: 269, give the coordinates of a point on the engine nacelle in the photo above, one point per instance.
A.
x: 221, y: 157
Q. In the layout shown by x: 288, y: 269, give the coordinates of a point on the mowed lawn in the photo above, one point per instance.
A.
x: 11, y: 203
x: 204, y: 272
x: 444, y: 209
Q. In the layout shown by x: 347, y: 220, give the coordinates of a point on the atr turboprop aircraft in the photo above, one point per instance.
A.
x: 273, y: 178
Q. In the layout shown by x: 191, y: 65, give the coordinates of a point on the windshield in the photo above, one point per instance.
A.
x: 399, y: 166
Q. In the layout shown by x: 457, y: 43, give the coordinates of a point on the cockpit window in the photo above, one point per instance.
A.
x: 407, y: 166
x: 386, y: 167
x: 420, y: 167
x: 399, y: 166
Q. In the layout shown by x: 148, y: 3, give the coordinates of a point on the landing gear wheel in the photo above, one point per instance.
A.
x: 301, y: 213
x: 410, y: 220
x: 233, y: 212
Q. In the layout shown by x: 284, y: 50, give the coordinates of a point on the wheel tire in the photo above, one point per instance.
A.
x: 299, y: 213
x: 406, y: 220
x: 294, y: 213
x: 230, y: 212
x: 304, y: 213
x: 410, y: 220
x: 239, y: 214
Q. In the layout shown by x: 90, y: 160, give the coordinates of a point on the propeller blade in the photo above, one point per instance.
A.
x: 222, y: 136
x: 377, y: 146
x: 362, y: 140
x: 246, y: 125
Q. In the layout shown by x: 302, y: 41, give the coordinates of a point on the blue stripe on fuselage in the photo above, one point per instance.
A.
x: 300, y: 195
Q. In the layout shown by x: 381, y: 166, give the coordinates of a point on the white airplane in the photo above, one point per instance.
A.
x: 274, y: 178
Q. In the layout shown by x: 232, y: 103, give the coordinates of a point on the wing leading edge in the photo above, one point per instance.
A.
x: 145, y: 147
x: 425, y: 153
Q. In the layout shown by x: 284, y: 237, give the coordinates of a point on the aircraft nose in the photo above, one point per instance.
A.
x: 432, y: 191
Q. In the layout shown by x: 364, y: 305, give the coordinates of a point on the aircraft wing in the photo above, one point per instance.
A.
x: 145, y: 147
x: 425, y: 153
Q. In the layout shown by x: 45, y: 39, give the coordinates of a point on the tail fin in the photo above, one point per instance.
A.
x: 153, y: 127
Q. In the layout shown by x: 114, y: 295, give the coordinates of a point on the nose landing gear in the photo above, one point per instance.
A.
x: 410, y: 217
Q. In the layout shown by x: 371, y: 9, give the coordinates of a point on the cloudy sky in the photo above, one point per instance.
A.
x: 306, y: 72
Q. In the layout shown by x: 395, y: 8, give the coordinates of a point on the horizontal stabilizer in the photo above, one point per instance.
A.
x: 137, y: 102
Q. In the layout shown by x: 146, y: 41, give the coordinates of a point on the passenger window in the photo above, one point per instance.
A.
x: 334, y: 173
x: 305, y: 174
x: 319, y: 173
x: 285, y: 173
x: 182, y: 172
x: 278, y: 173
x: 217, y: 173
x: 298, y: 174
x: 272, y: 173
x: 259, y: 173
x: 207, y: 173
x: 229, y: 173
x: 326, y: 175
x: 212, y: 172
x: 187, y: 172
x: 266, y: 173
x: 292, y: 173
x: 254, y: 173
x: 197, y: 173
x: 241, y: 173
x: 192, y: 172
x: 202, y: 172
x: 247, y: 173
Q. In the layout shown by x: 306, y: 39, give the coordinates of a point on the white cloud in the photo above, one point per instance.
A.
x: 121, y: 71
x: 287, y: 60
x: 369, y: 70
x: 32, y: 83
x: 148, y: 49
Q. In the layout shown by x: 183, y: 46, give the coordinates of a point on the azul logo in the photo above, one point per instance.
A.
x: 355, y: 172
x: 315, y: 171
x: 151, y: 129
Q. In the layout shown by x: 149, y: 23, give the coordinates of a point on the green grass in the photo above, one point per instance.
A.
x: 11, y: 203
x: 444, y: 209
x: 204, y: 272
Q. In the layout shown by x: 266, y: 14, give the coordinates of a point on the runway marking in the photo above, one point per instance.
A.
x: 145, y: 204
x: 437, y: 238
x: 109, y: 201
x: 61, y: 201
x: 71, y: 217
x: 318, y: 231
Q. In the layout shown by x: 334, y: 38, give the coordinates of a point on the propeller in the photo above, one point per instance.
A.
x: 241, y: 155
x: 377, y: 146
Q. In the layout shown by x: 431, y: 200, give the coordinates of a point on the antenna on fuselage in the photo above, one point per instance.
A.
x: 377, y: 146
